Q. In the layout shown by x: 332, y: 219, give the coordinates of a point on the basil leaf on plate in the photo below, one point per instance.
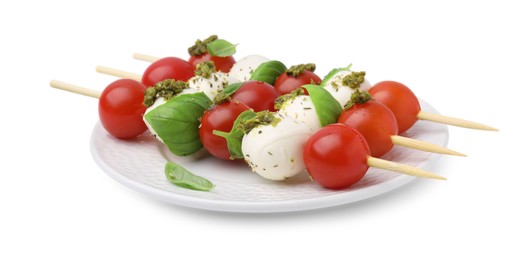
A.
x: 268, y: 71
x: 176, y: 122
x: 234, y: 137
x: 332, y: 73
x: 221, y: 48
x: 181, y: 177
x: 327, y: 107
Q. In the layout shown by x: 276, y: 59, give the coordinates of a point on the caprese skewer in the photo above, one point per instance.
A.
x: 337, y: 156
x: 378, y: 125
x: 406, y: 107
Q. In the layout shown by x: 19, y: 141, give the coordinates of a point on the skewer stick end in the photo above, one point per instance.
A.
x: 423, y: 146
x: 74, y: 89
x: 454, y: 121
x: 401, y: 168
x: 145, y: 57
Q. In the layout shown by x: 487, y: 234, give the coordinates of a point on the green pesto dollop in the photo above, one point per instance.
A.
x: 205, y: 69
x: 261, y: 118
x: 297, y: 70
x: 358, y: 97
x: 166, y: 89
x: 281, y: 100
x: 200, y: 47
x: 354, y: 79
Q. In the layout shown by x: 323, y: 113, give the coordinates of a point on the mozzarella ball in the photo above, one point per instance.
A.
x: 244, y: 67
x: 340, y: 92
x: 159, y: 101
x: 301, y: 110
x: 212, y: 85
x: 275, y: 151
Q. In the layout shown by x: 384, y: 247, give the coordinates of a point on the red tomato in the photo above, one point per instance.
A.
x: 257, y: 95
x: 336, y: 156
x: 167, y: 68
x: 400, y: 100
x: 285, y: 83
x: 223, y: 64
x: 219, y: 118
x: 120, y: 108
x: 375, y: 122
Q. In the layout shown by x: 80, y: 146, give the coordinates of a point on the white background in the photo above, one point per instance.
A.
x: 466, y: 59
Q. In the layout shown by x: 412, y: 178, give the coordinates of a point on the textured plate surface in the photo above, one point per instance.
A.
x: 139, y: 164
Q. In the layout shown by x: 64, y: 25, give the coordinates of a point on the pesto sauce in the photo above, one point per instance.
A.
x: 358, y: 97
x: 281, y: 100
x: 297, y: 70
x: 205, y: 69
x: 261, y: 118
x: 354, y: 79
x: 200, y: 47
x: 166, y: 89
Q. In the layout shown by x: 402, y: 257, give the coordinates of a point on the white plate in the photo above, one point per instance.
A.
x: 139, y: 164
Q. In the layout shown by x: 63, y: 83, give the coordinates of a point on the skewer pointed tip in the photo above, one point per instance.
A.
x: 454, y: 121
x: 423, y: 146
x: 402, y: 168
x: 438, y: 177
x: 489, y: 128
x: 453, y: 152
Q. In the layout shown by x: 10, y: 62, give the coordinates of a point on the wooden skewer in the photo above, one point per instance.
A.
x: 75, y: 89
x: 118, y: 73
x: 402, y: 168
x: 453, y: 121
x: 421, y: 145
x: 145, y: 57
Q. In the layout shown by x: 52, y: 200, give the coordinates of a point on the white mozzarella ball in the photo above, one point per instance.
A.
x: 275, y: 151
x: 159, y: 101
x: 340, y: 92
x: 212, y: 85
x: 244, y: 67
x: 301, y: 110
x: 188, y: 91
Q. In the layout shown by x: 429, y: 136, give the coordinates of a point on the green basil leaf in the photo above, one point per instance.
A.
x: 221, y: 48
x: 332, y: 73
x: 234, y: 137
x: 226, y: 93
x: 327, y: 107
x: 231, y: 89
x: 176, y: 122
x: 268, y: 71
x: 179, y: 176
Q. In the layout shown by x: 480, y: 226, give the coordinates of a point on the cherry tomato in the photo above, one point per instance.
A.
x: 336, y: 156
x: 285, y: 83
x: 120, y: 108
x: 375, y: 122
x: 219, y: 118
x: 167, y: 68
x: 257, y: 95
x: 223, y: 64
x: 400, y: 100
